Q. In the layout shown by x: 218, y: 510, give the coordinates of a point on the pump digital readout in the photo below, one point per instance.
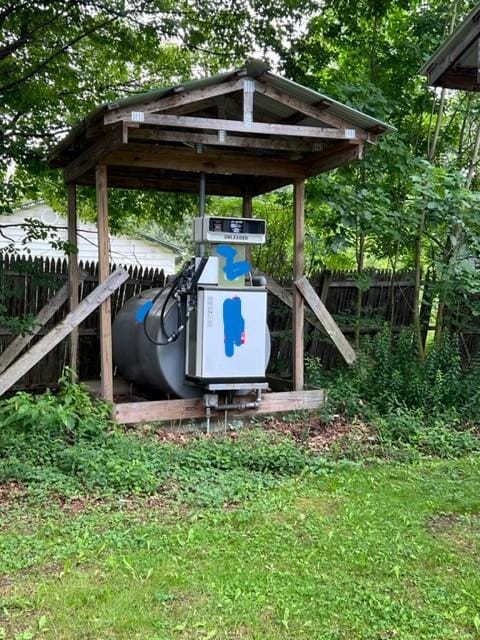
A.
x: 229, y: 230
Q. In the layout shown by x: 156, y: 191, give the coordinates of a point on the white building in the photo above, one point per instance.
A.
x: 124, y: 250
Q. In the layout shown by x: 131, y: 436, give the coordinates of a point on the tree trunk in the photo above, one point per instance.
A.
x: 360, y: 267
x: 418, y: 284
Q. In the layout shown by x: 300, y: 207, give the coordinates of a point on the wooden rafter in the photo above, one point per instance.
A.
x: 112, y: 138
x: 332, y: 157
x: 166, y: 183
x: 318, y: 112
x: 178, y: 100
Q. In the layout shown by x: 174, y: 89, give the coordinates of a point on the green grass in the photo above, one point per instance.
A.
x: 352, y: 552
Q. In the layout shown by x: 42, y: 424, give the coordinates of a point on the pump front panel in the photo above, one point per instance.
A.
x: 230, y: 331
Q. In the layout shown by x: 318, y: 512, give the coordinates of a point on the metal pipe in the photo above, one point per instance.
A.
x: 242, y: 405
x: 201, y: 209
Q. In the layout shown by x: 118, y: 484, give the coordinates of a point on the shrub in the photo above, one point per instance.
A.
x: 389, y: 375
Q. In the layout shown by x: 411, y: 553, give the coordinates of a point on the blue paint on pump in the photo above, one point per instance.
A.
x: 232, y: 269
x: 233, y: 325
x: 143, y: 311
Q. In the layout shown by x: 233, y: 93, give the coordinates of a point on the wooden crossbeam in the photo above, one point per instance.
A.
x: 90, y: 157
x: 167, y: 183
x: 185, y: 410
x: 263, y: 128
x: 160, y: 135
x: 326, y: 320
x: 62, y: 330
x: 217, y: 161
x: 178, y: 100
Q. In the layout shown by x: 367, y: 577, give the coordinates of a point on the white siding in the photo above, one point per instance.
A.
x: 123, y: 250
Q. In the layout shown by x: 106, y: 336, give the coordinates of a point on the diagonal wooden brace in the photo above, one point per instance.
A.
x: 62, y: 330
x: 20, y: 342
x: 325, y: 319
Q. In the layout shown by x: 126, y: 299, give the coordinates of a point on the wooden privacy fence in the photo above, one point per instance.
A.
x: 388, y: 298
x: 29, y: 284
x: 26, y: 286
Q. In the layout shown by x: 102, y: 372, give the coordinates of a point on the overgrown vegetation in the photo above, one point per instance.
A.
x: 66, y: 443
x: 429, y: 405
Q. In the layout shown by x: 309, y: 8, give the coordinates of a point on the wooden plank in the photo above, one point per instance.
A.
x: 73, y: 276
x: 159, y: 135
x: 287, y: 298
x: 329, y: 324
x: 90, y: 157
x: 103, y: 272
x: 265, y: 128
x: 319, y: 113
x: 179, y: 410
x: 20, y: 342
x: 178, y: 100
x: 62, y: 330
x: 210, y: 161
x: 298, y: 316
x: 170, y: 183
x: 296, y: 117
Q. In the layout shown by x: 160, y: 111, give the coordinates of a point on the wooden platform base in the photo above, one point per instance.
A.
x: 185, y: 410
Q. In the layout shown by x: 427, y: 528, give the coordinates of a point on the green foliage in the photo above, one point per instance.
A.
x: 389, y: 550
x: 442, y: 436
x: 67, y: 443
x: 429, y: 407
x: 388, y: 374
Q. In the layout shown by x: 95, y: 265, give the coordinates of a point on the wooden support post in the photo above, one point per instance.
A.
x: 103, y: 273
x: 247, y: 213
x: 73, y: 279
x: 62, y: 330
x: 298, y: 314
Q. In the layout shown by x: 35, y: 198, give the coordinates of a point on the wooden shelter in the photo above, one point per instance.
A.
x: 250, y: 131
x: 456, y: 63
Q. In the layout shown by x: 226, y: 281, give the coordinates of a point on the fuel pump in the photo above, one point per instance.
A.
x: 205, y: 332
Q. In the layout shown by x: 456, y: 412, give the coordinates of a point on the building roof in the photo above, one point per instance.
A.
x: 287, y: 122
x: 455, y: 64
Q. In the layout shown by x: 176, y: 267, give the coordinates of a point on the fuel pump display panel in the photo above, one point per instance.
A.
x: 229, y: 230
